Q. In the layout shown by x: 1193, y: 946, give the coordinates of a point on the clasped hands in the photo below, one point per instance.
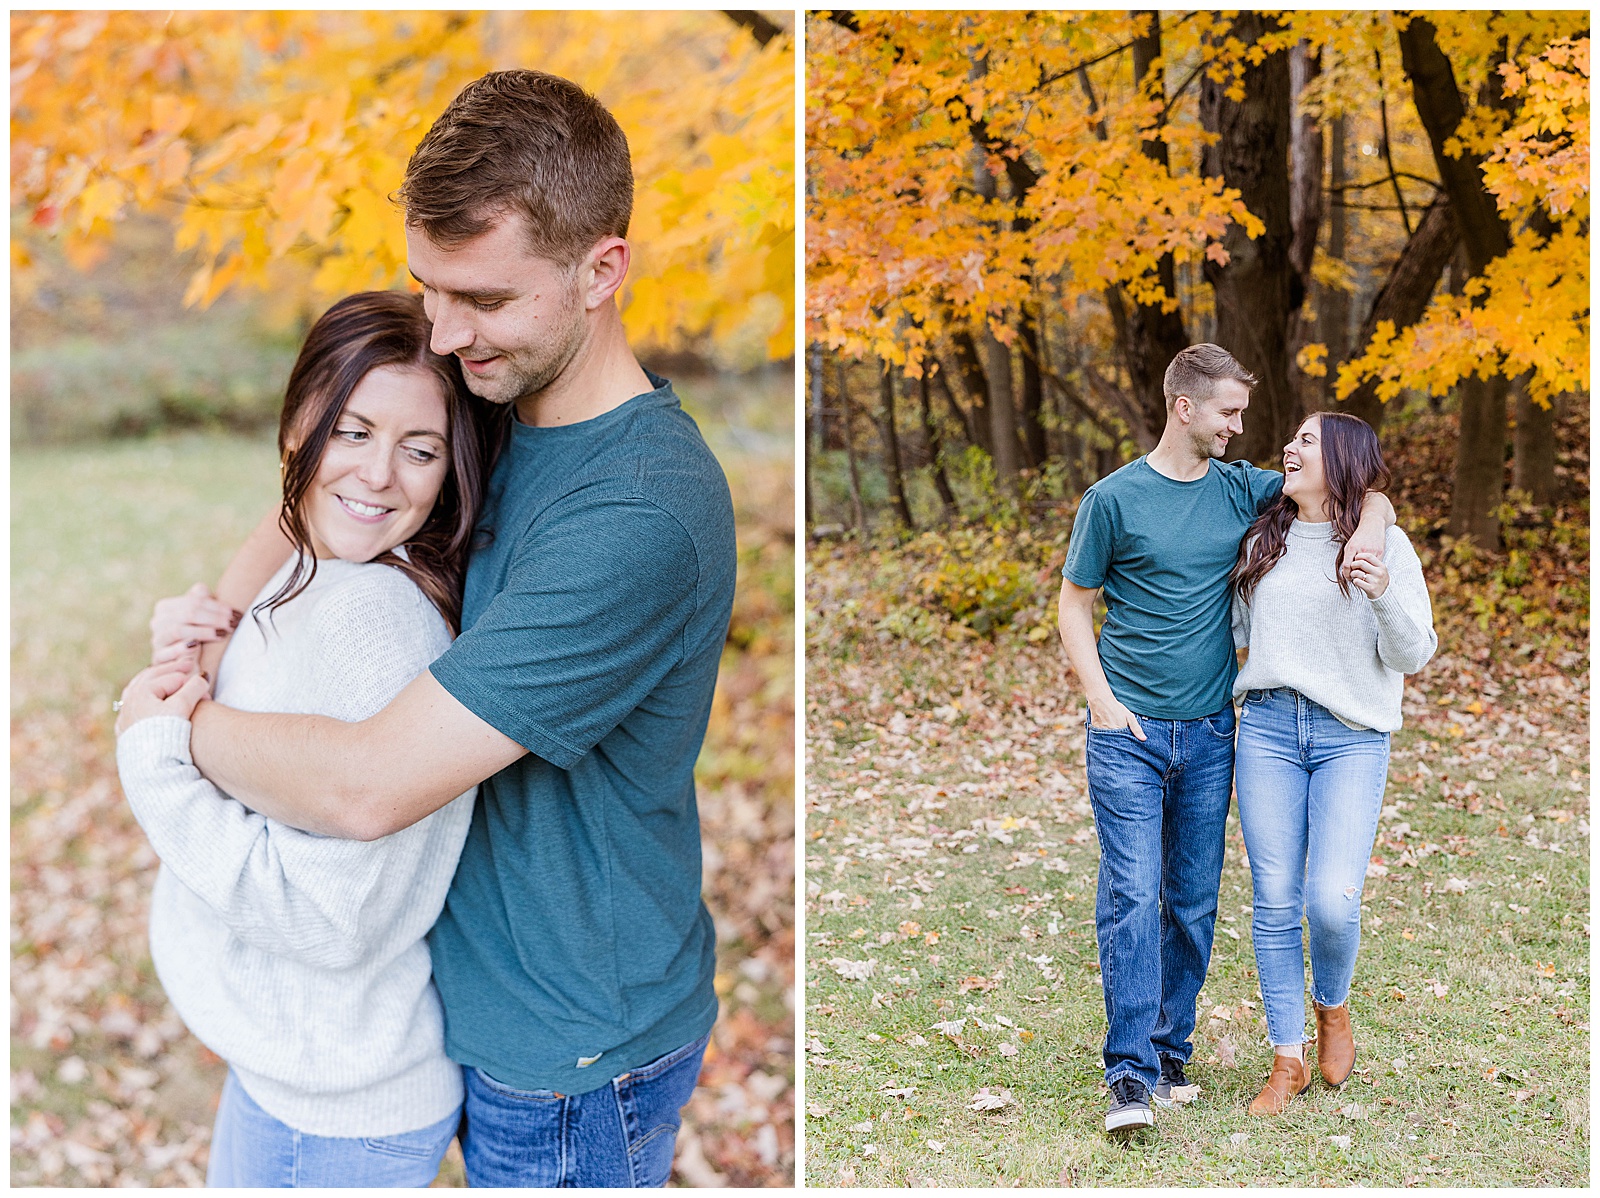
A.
x: 173, y: 684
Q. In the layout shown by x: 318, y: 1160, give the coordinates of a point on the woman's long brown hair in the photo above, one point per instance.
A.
x: 351, y: 339
x: 1352, y: 465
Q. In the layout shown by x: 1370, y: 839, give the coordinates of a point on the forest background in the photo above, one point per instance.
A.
x: 1012, y: 226
x: 189, y: 190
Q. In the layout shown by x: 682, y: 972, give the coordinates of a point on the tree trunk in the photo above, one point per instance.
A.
x: 1406, y: 293
x: 1305, y: 191
x: 1148, y: 337
x: 813, y: 430
x: 942, y: 377
x: 857, y: 508
x: 1333, y: 303
x: 1033, y: 442
x: 1002, y: 411
x: 1258, y: 290
x: 930, y: 429
x: 1480, y: 460
x: 1480, y: 452
x: 976, y: 385
x: 891, y: 448
x: 1533, y: 448
x: 1533, y: 438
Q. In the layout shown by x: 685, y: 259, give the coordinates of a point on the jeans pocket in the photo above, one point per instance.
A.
x: 411, y: 1145
x: 1221, y: 724
x: 500, y: 1087
x: 649, y: 1102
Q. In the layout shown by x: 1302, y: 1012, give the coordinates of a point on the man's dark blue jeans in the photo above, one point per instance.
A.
x: 619, y: 1135
x: 1160, y: 809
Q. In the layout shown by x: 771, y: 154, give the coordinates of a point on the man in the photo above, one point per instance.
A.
x: 574, y: 956
x: 1160, y: 536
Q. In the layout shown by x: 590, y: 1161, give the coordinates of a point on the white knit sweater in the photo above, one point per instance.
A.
x: 1348, y: 654
x: 301, y: 959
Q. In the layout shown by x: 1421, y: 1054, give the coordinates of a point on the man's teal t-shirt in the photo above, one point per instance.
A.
x: 574, y: 944
x: 1163, y: 550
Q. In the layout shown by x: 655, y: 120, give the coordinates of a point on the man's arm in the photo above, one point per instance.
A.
x: 1372, y: 531
x: 360, y: 780
x: 1076, y: 621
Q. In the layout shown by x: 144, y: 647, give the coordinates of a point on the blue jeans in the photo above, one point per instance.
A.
x: 1310, y: 792
x: 251, y: 1148
x: 1160, y: 808
x: 622, y: 1134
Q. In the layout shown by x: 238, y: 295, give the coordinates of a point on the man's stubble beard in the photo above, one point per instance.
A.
x: 532, y: 370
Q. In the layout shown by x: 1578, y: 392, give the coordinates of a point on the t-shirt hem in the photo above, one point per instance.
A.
x: 657, y: 1042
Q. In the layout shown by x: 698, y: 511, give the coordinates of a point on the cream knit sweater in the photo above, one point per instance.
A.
x: 301, y: 959
x: 1348, y: 654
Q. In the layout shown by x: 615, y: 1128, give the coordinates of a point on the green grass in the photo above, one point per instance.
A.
x: 909, y: 746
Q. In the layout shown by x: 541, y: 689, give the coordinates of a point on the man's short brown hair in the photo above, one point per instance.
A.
x: 528, y: 142
x: 1196, y: 371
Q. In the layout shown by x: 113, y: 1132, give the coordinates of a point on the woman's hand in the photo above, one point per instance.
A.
x: 183, y: 623
x: 1368, y: 573
x: 161, y: 690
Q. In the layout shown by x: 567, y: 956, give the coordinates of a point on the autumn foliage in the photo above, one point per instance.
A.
x: 275, y: 140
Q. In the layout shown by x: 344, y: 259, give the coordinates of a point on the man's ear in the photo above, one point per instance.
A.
x: 1183, y: 408
x: 604, y: 268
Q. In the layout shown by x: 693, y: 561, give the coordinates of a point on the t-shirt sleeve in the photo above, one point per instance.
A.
x: 1089, y: 550
x: 591, y: 618
x: 1264, y: 486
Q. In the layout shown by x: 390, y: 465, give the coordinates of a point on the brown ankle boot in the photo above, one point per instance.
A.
x: 1336, y: 1047
x: 1288, y: 1078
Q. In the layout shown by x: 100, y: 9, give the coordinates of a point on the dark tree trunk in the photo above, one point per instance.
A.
x: 1480, y: 451
x: 813, y: 445
x: 1333, y: 303
x: 1533, y: 448
x: 1002, y: 411
x: 1033, y: 441
x: 1480, y: 460
x: 930, y: 429
x: 976, y: 385
x: 1305, y: 171
x: 1406, y: 293
x: 1148, y: 337
x: 1533, y: 438
x: 1258, y: 290
x: 891, y: 447
x: 858, y: 510
x: 942, y: 378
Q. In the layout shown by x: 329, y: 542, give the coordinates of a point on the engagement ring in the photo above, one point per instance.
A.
x: 116, y: 705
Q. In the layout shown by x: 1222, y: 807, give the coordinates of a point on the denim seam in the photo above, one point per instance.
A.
x: 622, y: 1120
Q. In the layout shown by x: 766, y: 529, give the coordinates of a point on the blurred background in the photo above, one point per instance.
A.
x: 189, y: 191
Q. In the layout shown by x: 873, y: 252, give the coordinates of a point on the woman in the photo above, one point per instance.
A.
x: 1330, y: 641
x: 301, y: 959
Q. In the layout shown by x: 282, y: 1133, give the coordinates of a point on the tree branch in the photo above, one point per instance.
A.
x: 759, y: 26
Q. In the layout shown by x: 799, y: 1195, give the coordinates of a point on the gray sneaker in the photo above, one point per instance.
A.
x: 1173, y: 1085
x: 1130, y: 1105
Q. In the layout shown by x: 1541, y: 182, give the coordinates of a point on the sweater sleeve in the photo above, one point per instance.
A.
x: 319, y: 899
x: 1240, y: 622
x: 1406, y: 639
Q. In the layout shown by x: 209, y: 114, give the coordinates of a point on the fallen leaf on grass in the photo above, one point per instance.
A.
x: 914, y: 1040
x: 1340, y: 1142
x: 853, y: 971
x: 1226, y: 1052
x: 935, y: 1145
x: 1238, y: 1138
x: 950, y: 1027
x: 1008, y: 1050
x: 818, y: 1110
x: 864, y: 1126
x: 985, y: 1100
x: 1456, y: 886
x: 1352, y: 1111
x: 847, y: 1176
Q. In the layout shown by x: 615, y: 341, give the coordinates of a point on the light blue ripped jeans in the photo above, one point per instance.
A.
x: 1310, y: 791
